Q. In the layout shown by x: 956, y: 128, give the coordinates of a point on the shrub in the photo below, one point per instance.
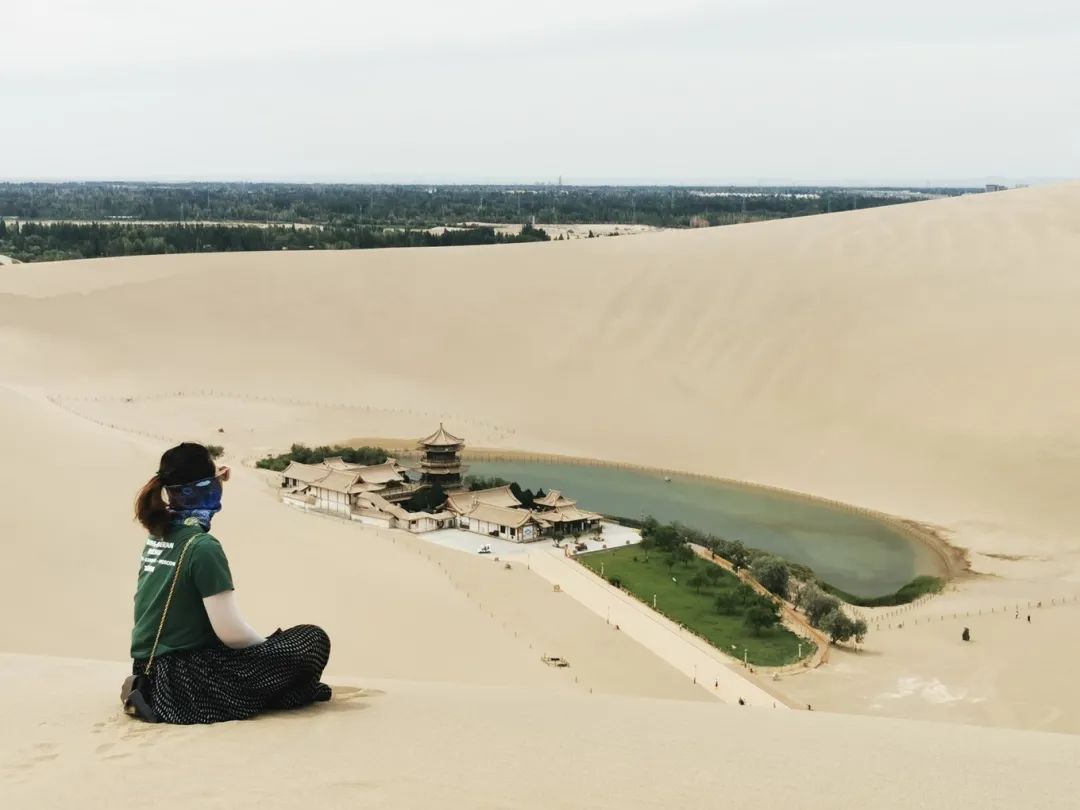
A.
x: 475, y: 482
x: 920, y: 586
x: 428, y: 499
x: 315, y: 455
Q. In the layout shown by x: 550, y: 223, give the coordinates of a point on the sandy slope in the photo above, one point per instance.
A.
x: 919, y: 359
x: 413, y: 744
x: 395, y: 606
x: 914, y: 358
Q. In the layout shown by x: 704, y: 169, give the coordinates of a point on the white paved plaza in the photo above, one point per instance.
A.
x: 612, y: 536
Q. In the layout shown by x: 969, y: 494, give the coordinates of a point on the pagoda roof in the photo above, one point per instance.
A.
x: 567, y: 514
x: 500, y: 515
x: 350, y: 479
x: 441, y: 438
x: 462, y: 502
x: 555, y: 499
x: 308, y: 473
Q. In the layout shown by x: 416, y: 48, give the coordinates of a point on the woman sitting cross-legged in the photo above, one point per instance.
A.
x: 195, y: 658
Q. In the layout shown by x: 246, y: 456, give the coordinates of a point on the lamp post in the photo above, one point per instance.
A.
x: 744, y: 661
x: 654, y: 601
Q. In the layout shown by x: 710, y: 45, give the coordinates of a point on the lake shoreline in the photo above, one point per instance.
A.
x: 952, y: 561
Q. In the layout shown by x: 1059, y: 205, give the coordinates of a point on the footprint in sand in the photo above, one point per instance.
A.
x: 104, y: 749
x: 43, y: 752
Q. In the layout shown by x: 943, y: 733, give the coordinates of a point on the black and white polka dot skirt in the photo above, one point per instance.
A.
x: 218, y: 683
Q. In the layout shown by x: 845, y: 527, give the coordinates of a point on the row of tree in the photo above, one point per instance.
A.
x: 316, y: 455
x: 420, y: 206
x: 759, y: 613
x: 34, y: 241
x: 783, y: 579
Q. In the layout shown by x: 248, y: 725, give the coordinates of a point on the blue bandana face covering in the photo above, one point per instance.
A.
x: 199, y: 499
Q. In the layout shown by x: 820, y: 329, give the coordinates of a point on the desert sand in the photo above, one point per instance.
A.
x: 919, y: 360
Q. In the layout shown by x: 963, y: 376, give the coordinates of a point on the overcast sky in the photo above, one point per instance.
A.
x: 843, y: 91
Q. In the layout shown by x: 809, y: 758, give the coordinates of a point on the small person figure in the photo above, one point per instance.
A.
x: 742, y: 702
x: 966, y: 635
x: 716, y: 684
x: 1029, y: 618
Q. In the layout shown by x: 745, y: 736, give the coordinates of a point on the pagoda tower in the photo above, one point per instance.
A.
x: 441, y: 462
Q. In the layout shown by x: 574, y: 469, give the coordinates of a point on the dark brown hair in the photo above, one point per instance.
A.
x: 179, y: 465
x: 150, y: 507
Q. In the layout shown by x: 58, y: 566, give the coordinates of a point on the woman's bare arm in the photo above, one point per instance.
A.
x: 228, y: 624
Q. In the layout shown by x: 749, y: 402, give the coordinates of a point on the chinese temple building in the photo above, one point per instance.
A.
x: 441, y: 460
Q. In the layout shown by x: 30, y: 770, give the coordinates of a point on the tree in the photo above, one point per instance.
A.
x: 684, y: 554
x: 713, y: 574
x: 697, y: 581
x: 428, y: 499
x: 773, y: 573
x: 475, y: 482
x: 738, y: 556
x: 860, y: 630
x: 759, y: 618
x: 726, y: 603
x: 745, y: 595
x: 839, y: 625
x: 817, y: 604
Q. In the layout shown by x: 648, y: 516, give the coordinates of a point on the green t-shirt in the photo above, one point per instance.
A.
x: 205, y: 572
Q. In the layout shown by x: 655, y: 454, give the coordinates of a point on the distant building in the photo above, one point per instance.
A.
x: 338, y: 486
x: 995, y: 187
x: 497, y: 512
x: 441, y: 459
x: 563, y: 515
x: 373, y: 494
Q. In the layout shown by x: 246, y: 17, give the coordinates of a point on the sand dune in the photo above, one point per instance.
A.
x: 917, y: 359
x: 420, y: 744
x: 914, y: 359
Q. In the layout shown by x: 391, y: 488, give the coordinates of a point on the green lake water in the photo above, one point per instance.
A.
x: 855, y: 552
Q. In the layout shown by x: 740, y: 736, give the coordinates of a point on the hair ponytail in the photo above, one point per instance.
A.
x: 150, y: 508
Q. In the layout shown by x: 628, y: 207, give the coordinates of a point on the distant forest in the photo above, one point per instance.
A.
x: 55, y: 241
x: 194, y: 217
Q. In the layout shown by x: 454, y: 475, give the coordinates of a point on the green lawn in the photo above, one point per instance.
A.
x: 646, y: 574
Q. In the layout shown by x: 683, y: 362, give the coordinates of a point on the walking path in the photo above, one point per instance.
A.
x: 692, y: 656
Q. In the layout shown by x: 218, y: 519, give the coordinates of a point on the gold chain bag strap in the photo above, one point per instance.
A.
x: 135, y: 693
